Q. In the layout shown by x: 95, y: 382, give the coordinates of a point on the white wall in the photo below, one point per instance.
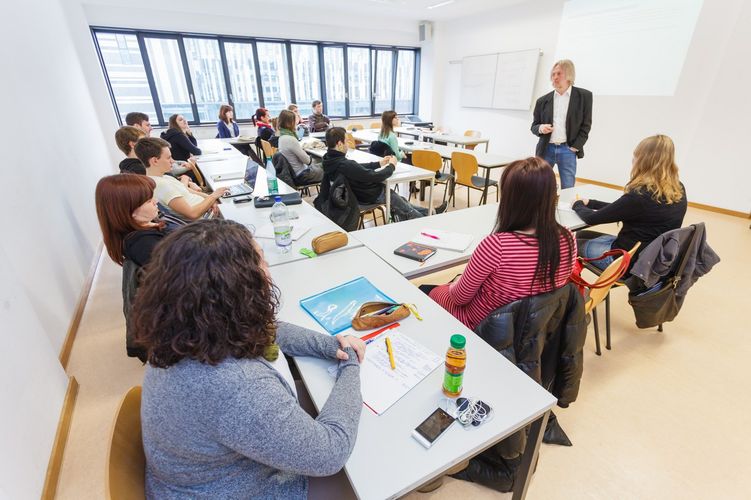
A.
x: 704, y: 117
x: 55, y: 142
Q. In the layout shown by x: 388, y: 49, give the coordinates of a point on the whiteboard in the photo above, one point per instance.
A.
x: 478, y: 79
x: 504, y: 80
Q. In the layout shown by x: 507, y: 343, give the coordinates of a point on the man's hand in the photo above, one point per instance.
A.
x: 219, y: 192
x: 353, y: 342
x: 393, y: 160
x: 185, y: 180
x: 546, y: 128
x: 574, y: 150
x: 384, y: 161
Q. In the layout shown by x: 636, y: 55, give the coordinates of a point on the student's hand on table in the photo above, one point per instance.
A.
x: 546, y: 128
x: 219, y: 192
x: 392, y: 160
x: 585, y: 201
x: 353, y: 342
x: 384, y: 161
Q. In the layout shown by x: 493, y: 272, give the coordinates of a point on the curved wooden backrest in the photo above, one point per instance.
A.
x: 375, y: 125
x: 429, y: 160
x: 268, y: 149
x: 355, y: 127
x: 126, y: 462
x: 350, y: 141
x: 197, y: 172
x: 597, y: 295
x: 465, y: 166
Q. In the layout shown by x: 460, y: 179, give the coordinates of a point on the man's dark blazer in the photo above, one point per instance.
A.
x: 578, y: 120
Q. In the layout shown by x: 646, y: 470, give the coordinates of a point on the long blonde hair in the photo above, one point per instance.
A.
x: 655, y: 171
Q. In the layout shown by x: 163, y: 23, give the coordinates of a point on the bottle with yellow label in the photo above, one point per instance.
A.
x: 456, y: 361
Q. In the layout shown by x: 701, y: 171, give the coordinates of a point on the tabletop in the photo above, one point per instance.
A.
x: 386, y: 462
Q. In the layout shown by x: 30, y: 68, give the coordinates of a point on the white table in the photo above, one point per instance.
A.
x: 477, y: 221
x: 459, y: 140
x: 403, y: 173
x: 386, y: 462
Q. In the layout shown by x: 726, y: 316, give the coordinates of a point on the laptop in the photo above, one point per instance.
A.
x: 248, y: 185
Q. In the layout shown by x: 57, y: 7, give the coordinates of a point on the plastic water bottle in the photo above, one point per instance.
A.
x: 282, y: 228
x: 456, y: 362
x: 271, y: 181
x: 419, y: 135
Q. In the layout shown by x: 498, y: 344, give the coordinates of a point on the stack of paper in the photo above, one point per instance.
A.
x: 447, y: 240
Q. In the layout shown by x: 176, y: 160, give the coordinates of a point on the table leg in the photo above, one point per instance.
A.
x: 529, y: 458
x: 487, y: 145
x: 431, y: 210
x: 388, y: 202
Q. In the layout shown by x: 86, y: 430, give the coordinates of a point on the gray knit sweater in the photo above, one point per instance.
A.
x: 235, y: 430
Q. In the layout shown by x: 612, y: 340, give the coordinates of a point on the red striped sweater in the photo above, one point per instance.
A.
x: 500, y: 271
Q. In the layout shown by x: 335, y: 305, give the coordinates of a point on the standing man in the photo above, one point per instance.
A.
x: 318, y: 122
x: 562, y: 120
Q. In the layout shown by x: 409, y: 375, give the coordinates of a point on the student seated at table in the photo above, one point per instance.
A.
x: 528, y: 252
x: 126, y: 137
x: 389, y: 121
x: 366, y: 180
x: 318, y: 122
x: 140, y: 121
x: 181, y: 138
x: 306, y: 171
x: 219, y: 411
x: 227, y: 126
x: 654, y: 202
x: 300, y: 126
x: 262, y: 120
x: 185, y: 201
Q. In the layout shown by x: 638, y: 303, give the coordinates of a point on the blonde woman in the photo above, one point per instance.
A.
x: 654, y: 202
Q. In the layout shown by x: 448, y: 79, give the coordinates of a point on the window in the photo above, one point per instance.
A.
x: 272, y: 59
x: 165, y: 73
x: 169, y: 77
x: 126, y: 74
x: 358, y: 67
x: 305, y: 74
x: 242, y: 78
x: 333, y: 58
x: 382, y: 85
x: 207, y: 75
x: 405, y: 82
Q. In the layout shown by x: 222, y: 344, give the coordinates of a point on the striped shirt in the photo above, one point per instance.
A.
x: 500, y: 271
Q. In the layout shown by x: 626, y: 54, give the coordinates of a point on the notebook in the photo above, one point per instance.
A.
x: 381, y: 386
x: 334, y: 309
x: 446, y: 240
x: 415, y: 251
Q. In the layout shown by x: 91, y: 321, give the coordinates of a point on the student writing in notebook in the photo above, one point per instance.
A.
x: 219, y: 410
x: 528, y: 252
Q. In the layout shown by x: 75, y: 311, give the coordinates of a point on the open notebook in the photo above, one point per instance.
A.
x: 447, y: 240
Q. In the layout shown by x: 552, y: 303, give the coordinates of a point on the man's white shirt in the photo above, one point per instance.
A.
x: 560, y: 110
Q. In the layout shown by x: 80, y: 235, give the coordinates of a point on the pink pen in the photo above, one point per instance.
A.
x: 431, y: 236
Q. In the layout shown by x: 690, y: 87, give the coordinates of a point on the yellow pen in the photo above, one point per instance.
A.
x: 390, y: 350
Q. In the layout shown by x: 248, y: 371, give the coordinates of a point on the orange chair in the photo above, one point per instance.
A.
x: 350, y: 141
x: 471, y: 133
x: 375, y: 125
x: 268, y: 149
x: 465, y: 166
x: 431, y: 160
x: 126, y: 461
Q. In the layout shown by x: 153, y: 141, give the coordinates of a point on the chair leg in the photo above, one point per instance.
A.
x: 383, y: 215
x: 597, y: 332
x: 467, y: 196
x: 659, y: 327
x: 361, y: 222
x: 497, y: 193
x: 445, y: 190
x: 607, y: 321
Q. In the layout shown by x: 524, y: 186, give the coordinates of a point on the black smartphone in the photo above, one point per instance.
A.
x: 242, y: 199
x: 433, y: 427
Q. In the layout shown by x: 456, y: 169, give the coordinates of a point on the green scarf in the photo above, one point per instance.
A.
x: 286, y: 131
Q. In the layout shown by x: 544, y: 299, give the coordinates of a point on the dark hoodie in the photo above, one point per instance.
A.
x: 366, y: 183
x: 183, y: 145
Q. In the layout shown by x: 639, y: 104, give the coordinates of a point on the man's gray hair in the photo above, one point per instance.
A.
x: 568, y: 68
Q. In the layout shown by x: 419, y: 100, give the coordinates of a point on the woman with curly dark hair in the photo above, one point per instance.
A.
x: 219, y: 412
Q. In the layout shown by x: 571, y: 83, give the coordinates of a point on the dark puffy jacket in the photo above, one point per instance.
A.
x: 183, y: 145
x: 544, y: 336
x: 337, y: 202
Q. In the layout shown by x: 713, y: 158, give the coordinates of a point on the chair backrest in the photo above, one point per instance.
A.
x: 268, y: 149
x: 427, y: 159
x: 356, y: 126
x: 465, y: 166
x: 597, y: 295
x: 350, y: 141
x: 375, y: 125
x: 197, y: 172
x: 126, y: 462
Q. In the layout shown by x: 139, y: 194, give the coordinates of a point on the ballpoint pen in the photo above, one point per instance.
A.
x: 431, y: 236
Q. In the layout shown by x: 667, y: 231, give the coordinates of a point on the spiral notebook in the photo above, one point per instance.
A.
x: 334, y: 308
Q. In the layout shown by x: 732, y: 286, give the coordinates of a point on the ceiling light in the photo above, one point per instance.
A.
x: 447, y: 2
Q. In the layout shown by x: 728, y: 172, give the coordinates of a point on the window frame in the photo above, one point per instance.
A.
x: 221, y: 39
